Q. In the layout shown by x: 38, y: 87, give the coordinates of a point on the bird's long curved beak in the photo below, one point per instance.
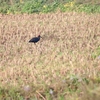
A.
x: 41, y: 37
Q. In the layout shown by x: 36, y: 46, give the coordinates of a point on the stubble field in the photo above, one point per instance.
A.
x: 63, y: 65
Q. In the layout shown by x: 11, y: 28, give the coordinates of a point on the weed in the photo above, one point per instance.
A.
x: 58, y: 65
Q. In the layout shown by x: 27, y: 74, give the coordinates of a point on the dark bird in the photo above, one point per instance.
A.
x: 35, y: 39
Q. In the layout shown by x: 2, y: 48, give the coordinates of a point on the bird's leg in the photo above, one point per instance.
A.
x: 35, y: 45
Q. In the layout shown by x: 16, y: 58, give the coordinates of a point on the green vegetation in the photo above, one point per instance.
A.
x: 96, y: 53
x: 44, y: 6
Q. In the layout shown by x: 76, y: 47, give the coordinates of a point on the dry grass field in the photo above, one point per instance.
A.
x: 63, y: 65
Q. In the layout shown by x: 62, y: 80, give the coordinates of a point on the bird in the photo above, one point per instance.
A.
x: 35, y: 39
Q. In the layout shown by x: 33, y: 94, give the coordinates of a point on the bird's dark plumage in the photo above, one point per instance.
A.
x: 35, y: 39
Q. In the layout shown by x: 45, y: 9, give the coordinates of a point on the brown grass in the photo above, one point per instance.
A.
x: 69, y: 40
